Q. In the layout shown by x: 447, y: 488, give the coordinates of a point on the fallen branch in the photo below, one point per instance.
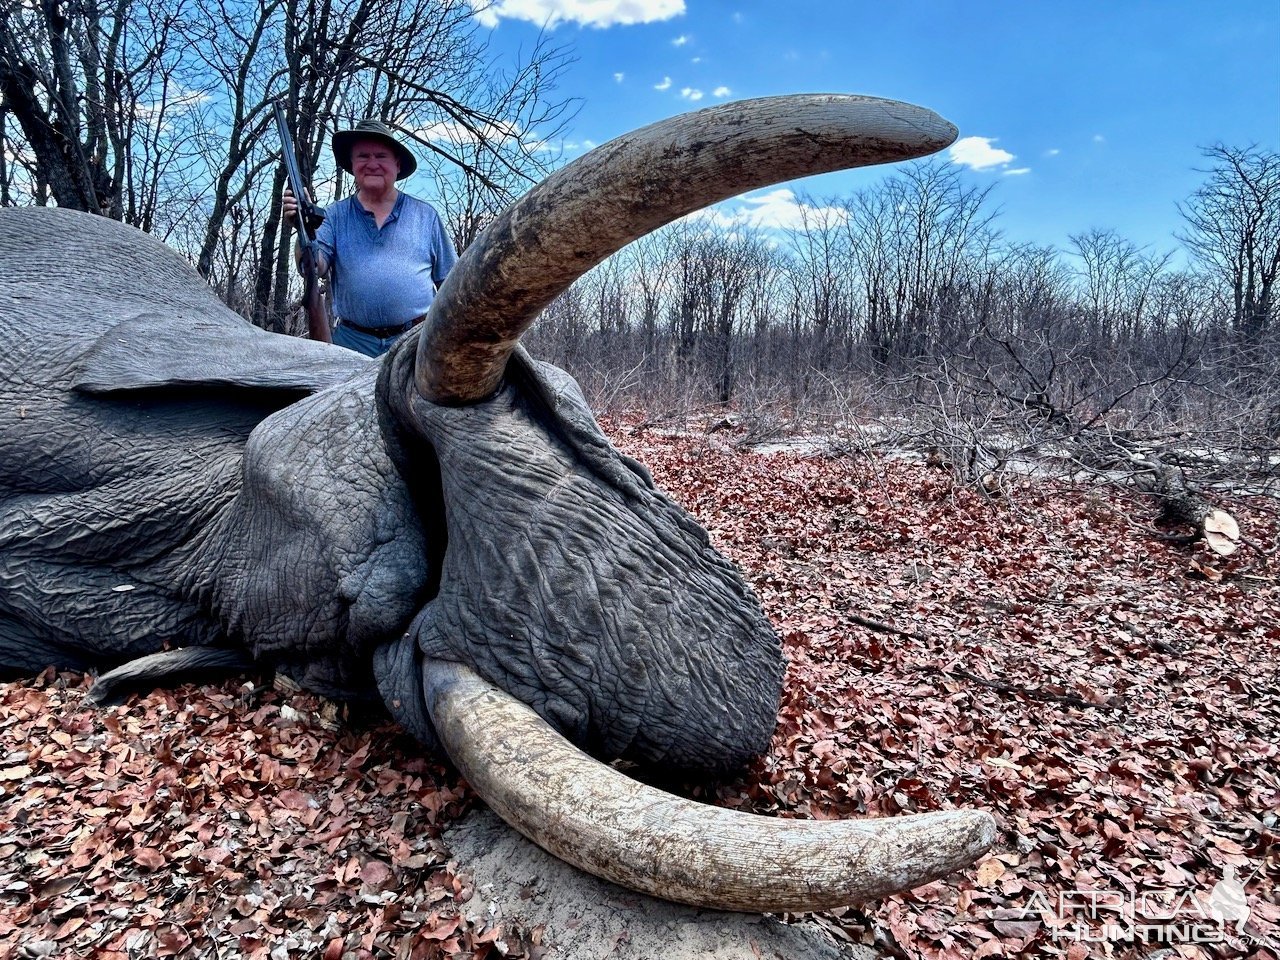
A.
x: 881, y: 627
x: 1030, y: 693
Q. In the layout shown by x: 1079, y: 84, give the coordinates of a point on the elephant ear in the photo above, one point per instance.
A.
x: 154, y: 349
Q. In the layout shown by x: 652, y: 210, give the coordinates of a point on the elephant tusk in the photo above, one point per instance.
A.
x: 628, y: 187
x: 634, y: 835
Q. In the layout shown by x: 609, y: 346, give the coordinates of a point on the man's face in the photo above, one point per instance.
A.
x: 374, y: 164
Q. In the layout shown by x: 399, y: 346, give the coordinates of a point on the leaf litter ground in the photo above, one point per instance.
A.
x: 1112, y: 700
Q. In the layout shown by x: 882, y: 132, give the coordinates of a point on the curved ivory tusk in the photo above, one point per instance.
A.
x: 628, y: 187
x: 609, y: 825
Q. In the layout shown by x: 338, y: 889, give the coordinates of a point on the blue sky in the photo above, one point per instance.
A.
x: 1082, y: 113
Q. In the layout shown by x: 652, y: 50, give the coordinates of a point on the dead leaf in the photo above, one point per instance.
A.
x: 149, y: 858
x: 989, y: 871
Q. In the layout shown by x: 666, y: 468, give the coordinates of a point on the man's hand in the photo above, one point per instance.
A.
x: 315, y: 216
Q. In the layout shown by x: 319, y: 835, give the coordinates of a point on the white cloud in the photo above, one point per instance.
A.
x: 177, y: 98
x: 1052, y: 152
x: 689, y: 93
x: 680, y: 41
x: 1017, y: 171
x: 188, y: 98
x: 570, y: 146
x: 664, y: 85
x: 721, y: 92
x: 619, y: 77
x: 1099, y: 138
x: 586, y: 13
x: 776, y: 209
x: 696, y: 60
x: 977, y: 153
x: 450, y: 131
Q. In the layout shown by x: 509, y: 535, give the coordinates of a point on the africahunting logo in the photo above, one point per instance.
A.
x: 1163, y: 916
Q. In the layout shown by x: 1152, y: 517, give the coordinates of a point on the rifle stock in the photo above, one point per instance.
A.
x: 317, y: 316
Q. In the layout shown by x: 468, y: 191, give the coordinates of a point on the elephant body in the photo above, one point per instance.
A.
x: 174, y: 476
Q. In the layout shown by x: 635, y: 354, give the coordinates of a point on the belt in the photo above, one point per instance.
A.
x: 383, y: 333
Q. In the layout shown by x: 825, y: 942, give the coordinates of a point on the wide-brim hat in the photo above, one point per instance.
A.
x: 344, y: 140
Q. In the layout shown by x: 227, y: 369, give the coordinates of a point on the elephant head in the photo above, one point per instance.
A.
x: 450, y: 528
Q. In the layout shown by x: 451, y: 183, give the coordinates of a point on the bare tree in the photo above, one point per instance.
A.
x: 1034, y: 292
x: 1118, y: 279
x: 914, y: 240
x: 100, y: 91
x: 713, y: 273
x: 1233, y: 222
x: 487, y: 158
x: 771, y: 333
x: 822, y: 273
x: 650, y: 280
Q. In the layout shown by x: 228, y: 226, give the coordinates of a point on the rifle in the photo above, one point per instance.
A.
x: 308, y: 214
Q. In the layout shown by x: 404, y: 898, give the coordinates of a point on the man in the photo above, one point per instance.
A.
x: 387, y: 251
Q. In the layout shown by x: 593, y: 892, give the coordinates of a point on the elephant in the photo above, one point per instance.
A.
x: 445, y: 529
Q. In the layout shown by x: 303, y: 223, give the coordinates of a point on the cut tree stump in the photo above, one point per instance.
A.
x: 1182, y: 505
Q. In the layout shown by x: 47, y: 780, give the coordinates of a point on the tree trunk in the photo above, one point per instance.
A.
x: 275, y: 258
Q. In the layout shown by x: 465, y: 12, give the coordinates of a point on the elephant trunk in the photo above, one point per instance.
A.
x: 616, y: 828
x: 628, y: 187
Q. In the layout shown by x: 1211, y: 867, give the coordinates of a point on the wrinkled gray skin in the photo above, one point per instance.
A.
x: 172, y: 476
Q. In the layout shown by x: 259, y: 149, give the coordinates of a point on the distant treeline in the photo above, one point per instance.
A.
x: 913, y: 273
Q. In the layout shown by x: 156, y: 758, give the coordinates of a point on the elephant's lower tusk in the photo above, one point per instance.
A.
x: 639, y: 837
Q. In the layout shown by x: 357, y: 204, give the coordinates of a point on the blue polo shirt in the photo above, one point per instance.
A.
x: 384, y: 277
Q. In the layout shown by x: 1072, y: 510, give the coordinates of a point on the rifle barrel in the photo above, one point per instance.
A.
x: 317, y: 319
x: 295, y: 175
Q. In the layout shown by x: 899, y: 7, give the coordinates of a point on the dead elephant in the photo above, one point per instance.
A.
x: 447, y: 527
